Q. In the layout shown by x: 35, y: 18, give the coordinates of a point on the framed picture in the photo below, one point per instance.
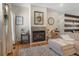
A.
x: 19, y: 20
x: 38, y: 18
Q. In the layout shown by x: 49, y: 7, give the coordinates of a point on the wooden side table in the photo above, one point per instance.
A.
x: 25, y: 38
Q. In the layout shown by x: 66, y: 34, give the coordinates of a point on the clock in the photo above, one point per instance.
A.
x: 51, y: 20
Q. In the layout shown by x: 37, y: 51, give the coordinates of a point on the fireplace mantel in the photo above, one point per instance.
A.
x: 38, y: 28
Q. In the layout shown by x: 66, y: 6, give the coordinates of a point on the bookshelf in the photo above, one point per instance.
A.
x: 71, y: 23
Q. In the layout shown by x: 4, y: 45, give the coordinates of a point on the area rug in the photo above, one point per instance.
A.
x: 37, y: 51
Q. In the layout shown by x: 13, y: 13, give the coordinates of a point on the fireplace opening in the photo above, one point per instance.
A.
x: 38, y: 36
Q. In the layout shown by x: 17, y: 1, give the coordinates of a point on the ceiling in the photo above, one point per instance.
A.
x: 70, y: 8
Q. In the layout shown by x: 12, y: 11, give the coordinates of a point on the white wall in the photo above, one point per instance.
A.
x: 40, y: 9
x: 58, y: 17
x: 22, y: 11
x: 28, y: 14
x: 58, y: 20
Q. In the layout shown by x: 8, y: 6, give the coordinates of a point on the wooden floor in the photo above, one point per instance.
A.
x: 16, y: 47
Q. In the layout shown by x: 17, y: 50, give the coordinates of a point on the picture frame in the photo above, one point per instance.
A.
x: 38, y: 18
x: 19, y: 20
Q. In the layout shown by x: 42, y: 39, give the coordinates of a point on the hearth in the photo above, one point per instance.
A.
x: 38, y: 36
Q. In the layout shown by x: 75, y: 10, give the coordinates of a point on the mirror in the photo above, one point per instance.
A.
x: 51, y: 20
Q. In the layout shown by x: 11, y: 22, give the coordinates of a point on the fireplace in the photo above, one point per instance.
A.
x: 38, y: 36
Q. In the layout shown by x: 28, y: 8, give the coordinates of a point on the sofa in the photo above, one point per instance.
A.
x: 72, y: 38
x: 61, y: 47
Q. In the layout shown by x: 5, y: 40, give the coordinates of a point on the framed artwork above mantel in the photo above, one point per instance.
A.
x: 38, y: 18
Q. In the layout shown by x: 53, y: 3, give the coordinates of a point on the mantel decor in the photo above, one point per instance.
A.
x: 51, y: 20
x: 19, y: 20
x: 38, y: 18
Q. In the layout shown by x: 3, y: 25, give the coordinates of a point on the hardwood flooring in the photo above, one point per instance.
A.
x: 16, y: 47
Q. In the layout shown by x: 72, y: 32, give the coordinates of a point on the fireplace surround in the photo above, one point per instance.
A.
x: 38, y: 34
